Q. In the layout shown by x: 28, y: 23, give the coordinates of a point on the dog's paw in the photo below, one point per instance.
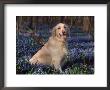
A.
x: 33, y: 61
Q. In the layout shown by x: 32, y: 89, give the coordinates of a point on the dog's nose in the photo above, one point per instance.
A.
x: 64, y: 32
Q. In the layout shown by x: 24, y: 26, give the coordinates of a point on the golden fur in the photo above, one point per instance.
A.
x: 54, y: 50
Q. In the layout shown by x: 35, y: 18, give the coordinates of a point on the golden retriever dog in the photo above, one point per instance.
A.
x: 54, y: 50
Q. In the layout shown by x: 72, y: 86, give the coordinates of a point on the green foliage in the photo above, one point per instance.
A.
x: 74, y: 69
x: 80, y: 69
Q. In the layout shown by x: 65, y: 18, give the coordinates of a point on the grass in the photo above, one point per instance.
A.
x: 68, y: 68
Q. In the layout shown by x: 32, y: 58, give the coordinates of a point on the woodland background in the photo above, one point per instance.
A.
x: 84, y: 22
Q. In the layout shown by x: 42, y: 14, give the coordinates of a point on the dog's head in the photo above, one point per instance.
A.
x: 60, y: 31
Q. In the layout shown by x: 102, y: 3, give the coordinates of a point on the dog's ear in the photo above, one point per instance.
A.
x: 67, y: 27
x: 54, y: 31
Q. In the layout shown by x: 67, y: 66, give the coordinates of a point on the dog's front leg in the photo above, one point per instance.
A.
x: 60, y: 69
x: 57, y: 66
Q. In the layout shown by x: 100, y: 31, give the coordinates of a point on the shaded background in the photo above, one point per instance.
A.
x: 33, y: 31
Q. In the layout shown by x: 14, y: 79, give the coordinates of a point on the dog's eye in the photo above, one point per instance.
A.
x: 59, y: 28
x: 64, y: 26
